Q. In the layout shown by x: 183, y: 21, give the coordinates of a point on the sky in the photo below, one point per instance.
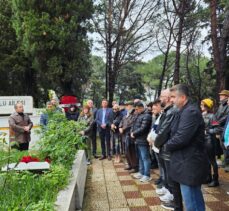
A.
x: 150, y: 54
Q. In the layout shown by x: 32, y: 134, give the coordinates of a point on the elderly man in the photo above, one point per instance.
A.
x: 94, y: 131
x: 218, y: 124
x: 20, y: 126
x: 55, y: 103
x: 124, y: 129
x: 188, y: 161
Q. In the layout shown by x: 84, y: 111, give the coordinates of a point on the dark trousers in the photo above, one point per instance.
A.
x: 93, y: 141
x: 104, y: 135
x: 174, y: 188
x: 226, y: 156
x: 131, y: 153
x: 154, y: 163
x: 210, y: 148
x: 24, y: 146
x: 162, y: 169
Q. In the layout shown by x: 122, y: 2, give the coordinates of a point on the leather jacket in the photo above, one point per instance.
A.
x: 163, y: 131
x: 219, y: 119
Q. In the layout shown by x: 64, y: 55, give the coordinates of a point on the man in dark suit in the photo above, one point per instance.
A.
x: 104, y: 119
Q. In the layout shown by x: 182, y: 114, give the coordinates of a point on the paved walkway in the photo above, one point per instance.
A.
x: 110, y: 188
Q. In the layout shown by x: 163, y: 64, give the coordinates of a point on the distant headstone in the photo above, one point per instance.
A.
x: 7, y: 104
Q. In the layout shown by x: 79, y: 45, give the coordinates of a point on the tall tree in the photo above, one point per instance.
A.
x: 126, y: 31
x: 165, y: 39
x: 53, y: 34
x: 182, y: 8
x: 16, y: 75
x: 219, y: 34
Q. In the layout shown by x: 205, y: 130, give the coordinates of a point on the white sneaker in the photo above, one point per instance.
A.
x: 137, y: 175
x: 219, y: 162
x: 145, y: 179
x: 161, y: 191
x: 167, y: 197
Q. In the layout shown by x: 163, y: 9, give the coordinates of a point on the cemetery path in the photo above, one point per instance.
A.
x: 110, y: 188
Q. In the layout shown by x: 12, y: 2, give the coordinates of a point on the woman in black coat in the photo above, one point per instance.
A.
x: 72, y: 113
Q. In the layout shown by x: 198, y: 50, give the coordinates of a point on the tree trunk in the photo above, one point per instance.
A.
x: 215, y: 45
x: 165, y: 64
x: 112, y: 83
x: 224, y: 41
x: 178, y: 46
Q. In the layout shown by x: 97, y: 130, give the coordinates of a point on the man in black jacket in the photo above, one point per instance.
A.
x: 218, y: 124
x: 188, y: 162
x: 139, y: 132
x: 171, y: 190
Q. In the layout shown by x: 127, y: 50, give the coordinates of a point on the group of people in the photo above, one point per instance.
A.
x: 181, y: 138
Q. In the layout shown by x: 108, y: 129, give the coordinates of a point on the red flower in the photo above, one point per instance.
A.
x: 28, y: 159
x: 215, y: 123
x: 48, y: 160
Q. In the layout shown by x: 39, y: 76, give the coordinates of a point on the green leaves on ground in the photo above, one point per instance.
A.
x: 28, y: 191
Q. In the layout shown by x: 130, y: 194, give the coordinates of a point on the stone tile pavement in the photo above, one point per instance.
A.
x: 110, y: 188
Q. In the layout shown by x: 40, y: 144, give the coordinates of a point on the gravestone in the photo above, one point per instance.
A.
x: 7, y: 104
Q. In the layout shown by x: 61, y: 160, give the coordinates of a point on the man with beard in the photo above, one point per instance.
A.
x: 188, y: 160
x: 170, y: 192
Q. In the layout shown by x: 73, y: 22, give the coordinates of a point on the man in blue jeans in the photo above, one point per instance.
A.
x: 139, y: 132
x: 188, y: 163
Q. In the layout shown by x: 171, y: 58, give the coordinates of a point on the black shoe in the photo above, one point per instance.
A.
x: 109, y: 158
x: 127, y: 168
x: 168, y: 205
x: 213, y: 184
x: 160, y: 185
x: 102, y: 158
x: 132, y: 171
x: 157, y: 181
x: 96, y: 157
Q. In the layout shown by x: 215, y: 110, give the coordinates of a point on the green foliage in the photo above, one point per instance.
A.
x: 127, y: 89
x: 29, y: 191
x: 54, y: 34
x: 44, y: 45
x: 25, y: 190
x: 198, y: 72
x: 96, y: 82
x: 61, y: 140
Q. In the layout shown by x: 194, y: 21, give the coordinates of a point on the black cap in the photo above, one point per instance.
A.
x: 138, y: 104
x: 121, y: 103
